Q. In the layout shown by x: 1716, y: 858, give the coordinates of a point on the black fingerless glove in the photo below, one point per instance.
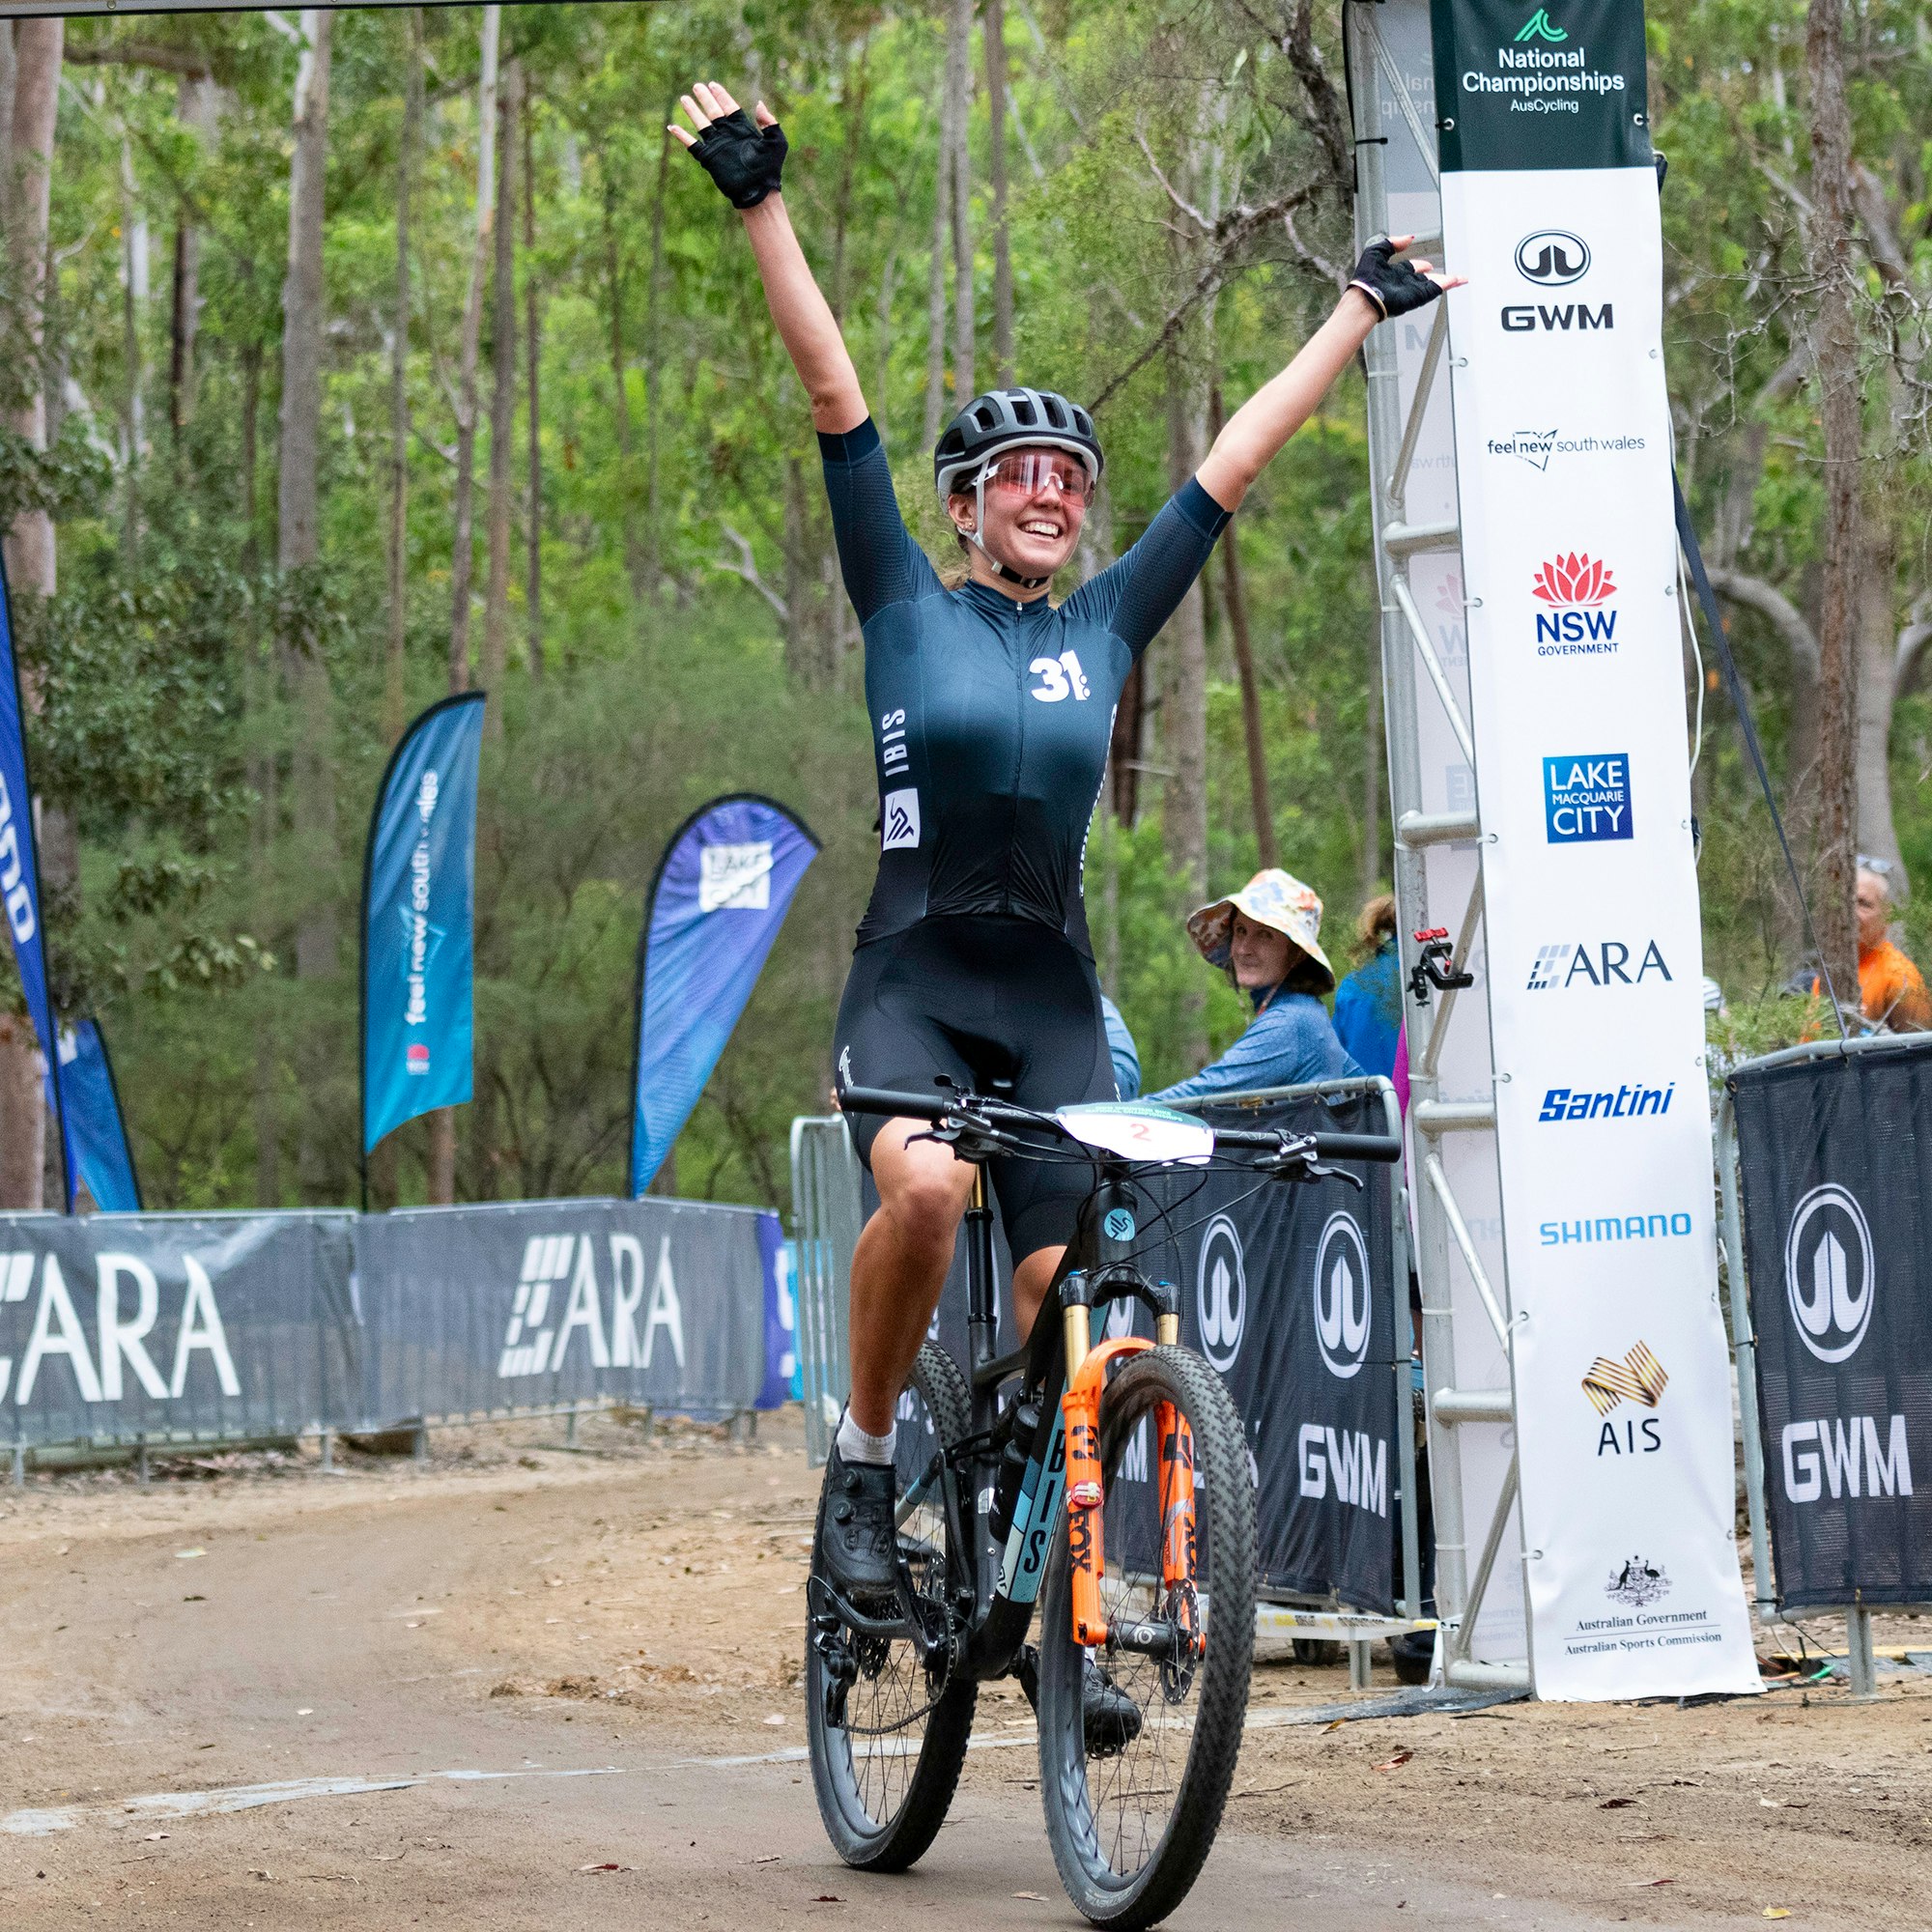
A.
x: 744, y: 160
x: 1393, y: 287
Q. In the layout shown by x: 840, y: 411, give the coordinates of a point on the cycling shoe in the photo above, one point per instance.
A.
x: 858, y: 1532
x: 1110, y: 1719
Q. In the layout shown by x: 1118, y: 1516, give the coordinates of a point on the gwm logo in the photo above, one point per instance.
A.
x: 1829, y: 1279
x: 1552, y: 256
x: 1575, y: 589
x: 1341, y: 1295
x: 1221, y: 1292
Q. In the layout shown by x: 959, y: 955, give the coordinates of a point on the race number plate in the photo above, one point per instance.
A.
x: 1140, y: 1131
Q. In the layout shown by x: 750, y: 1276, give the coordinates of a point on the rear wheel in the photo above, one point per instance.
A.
x: 888, y: 1733
x: 1131, y: 1825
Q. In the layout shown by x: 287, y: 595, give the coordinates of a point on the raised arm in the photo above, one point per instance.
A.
x: 1255, y: 435
x: 743, y: 160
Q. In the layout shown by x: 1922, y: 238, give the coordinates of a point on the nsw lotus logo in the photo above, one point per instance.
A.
x: 416, y: 1059
x: 1574, y: 591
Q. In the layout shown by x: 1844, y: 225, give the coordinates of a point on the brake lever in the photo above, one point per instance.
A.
x: 1296, y: 1161
x: 1319, y: 1171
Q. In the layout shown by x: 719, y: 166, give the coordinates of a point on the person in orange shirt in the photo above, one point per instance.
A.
x: 1890, y: 987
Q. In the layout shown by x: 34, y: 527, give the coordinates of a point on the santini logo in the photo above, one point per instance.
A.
x: 1586, y: 796
x: 1624, y: 1103
x: 1606, y: 964
x: 1552, y: 257
x: 1573, y: 589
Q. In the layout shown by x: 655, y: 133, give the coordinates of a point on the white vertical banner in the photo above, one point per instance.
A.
x: 1576, y: 692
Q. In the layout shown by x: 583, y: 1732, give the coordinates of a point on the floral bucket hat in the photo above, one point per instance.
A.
x: 1273, y: 899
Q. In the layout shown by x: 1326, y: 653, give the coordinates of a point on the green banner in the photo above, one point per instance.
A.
x: 1521, y: 86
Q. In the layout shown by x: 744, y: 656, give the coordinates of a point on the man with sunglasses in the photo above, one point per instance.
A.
x: 992, y: 708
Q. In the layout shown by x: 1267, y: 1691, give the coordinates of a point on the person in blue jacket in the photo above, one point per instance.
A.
x: 1368, y: 1003
x: 1267, y: 938
x: 1122, y: 1051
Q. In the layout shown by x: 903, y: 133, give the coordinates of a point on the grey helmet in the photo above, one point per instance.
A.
x: 1011, y: 420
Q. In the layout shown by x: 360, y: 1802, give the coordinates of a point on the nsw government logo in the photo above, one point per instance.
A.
x: 1221, y: 1292
x: 1577, y: 619
x: 1829, y: 1278
x: 1586, y: 797
x: 1341, y: 1295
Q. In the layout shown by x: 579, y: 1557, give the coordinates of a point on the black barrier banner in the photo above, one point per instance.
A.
x: 1834, y: 1157
x: 532, y: 1303
x: 118, y: 1326
x: 1288, y: 1291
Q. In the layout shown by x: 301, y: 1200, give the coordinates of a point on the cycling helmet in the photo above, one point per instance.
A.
x: 1010, y: 419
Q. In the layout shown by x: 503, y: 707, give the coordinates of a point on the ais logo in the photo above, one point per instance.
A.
x: 1586, y: 796
x: 1575, y: 592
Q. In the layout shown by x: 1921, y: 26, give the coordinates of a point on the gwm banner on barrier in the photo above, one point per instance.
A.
x: 1835, y: 1160
x: 1549, y: 207
x: 418, y: 910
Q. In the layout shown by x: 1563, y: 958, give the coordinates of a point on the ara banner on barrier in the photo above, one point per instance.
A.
x: 418, y: 918
x: 101, y: 1161
x: 1838, y: 1237
x: 20, y: 871
x: 1622, y: 1391
x: 721, y: 891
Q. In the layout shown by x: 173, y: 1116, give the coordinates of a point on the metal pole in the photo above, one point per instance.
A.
x: 1862, y: 1667
x: 1743, y: 1344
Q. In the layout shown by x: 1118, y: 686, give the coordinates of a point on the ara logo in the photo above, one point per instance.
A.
x: 1606, y: 963
x: 899, y: 821
x: 1341, y: 1295
x: 1221, y: 1292
x: 1540, y: 27
x: 1574, y: 590
x: 1638, y: 1582
x: 1829, y: 1278
x: 539, y: 1334
x: 1552, y: 257
x: 1059, y: 677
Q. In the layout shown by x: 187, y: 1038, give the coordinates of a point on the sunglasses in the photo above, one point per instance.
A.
x: 1026, y: 472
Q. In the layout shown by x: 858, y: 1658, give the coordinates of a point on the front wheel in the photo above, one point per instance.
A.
x: 1131, y: 1822
x: 888, y: 1734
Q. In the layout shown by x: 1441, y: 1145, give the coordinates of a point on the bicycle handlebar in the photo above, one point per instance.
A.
x: 1383, y: 1148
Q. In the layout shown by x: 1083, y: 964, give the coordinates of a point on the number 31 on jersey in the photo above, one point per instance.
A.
x: 1059, y: 677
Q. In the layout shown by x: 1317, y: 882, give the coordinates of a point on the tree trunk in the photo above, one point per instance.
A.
x: 133, y: 290
x: 959, y: 86
x: 393, y: 689
x: 258, y: 683
x: 1837, y: 355
x: 654, y: 369
x: 994, y: 29
x: 28, y: 166
x: 7, y: 69
x: 1878, y: 649
x: 297, y: 549
x: 533, y: 521
x: 1184, y: 724
x: 634, y: 556
x: 1244, y: 665
x: 502, y: 400
x: 935, y: 287
x: 194, y: 107
x: 442, y: 1157
x: 463, y: 562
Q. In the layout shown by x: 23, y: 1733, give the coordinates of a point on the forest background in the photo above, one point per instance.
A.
x: 352, y: 358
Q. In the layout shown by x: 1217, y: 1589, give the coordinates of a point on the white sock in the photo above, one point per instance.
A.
x: 856, y: 1447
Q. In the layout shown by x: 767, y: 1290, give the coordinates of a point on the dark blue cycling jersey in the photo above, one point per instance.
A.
x: 991, y: 717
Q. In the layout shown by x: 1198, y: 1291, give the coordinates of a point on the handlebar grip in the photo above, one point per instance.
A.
x: 1357, y: 1147
x: 893, y: 1106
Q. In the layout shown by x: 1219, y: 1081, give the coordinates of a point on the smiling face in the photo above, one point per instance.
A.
x: 1260, y: 956
x: 1035, y: 502
x: 1874, y: 908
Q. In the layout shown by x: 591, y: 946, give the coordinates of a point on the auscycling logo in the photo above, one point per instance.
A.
x: 1538, y: 62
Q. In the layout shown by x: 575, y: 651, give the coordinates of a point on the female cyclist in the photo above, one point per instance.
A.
x: 991, y: 712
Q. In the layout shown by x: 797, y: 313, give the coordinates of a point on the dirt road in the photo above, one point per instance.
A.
x: 531, y: 1689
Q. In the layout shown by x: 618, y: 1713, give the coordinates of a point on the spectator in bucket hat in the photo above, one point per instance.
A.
x: 1267, y: 938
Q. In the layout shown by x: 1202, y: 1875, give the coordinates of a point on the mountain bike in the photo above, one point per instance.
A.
x: 1107, y: 1481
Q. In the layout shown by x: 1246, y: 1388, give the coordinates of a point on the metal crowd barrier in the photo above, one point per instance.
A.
x: 828, y: 1215
x: 1862, y: 1667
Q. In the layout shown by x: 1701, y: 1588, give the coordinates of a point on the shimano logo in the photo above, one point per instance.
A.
x: 1221, y: 1292
x: 1341, y: 1295
x: 545, y: 1317
x: 1828, y: 1276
